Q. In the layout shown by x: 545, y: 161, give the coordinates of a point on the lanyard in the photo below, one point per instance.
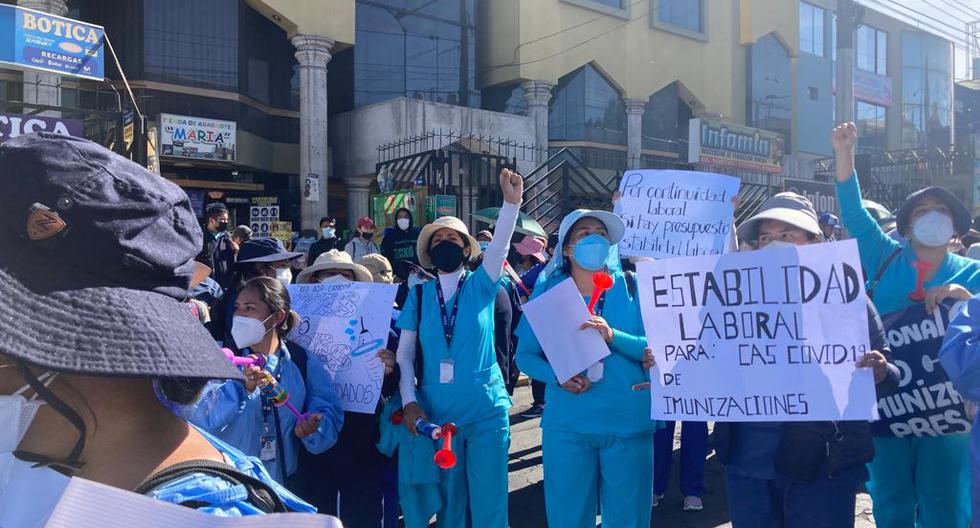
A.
x: 600, y: 303
x: 449, y: 319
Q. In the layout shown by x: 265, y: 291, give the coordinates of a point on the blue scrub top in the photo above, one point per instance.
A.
x: 237, y: 417
x: 613, y: 405
x: 477, y: 391
x: 222, y: 499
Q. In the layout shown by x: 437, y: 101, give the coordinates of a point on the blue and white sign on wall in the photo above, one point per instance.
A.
x: 38, y: 41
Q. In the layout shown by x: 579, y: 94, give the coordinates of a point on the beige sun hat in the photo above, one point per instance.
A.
x: 330, y: 260
x: 446, y: 222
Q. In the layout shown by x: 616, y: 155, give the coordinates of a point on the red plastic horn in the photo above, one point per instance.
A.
x: 445, y: 458
x: 601, y: 281
x: 921, y: 268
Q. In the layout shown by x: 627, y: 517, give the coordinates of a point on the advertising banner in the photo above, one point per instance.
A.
x: 729, y: 145
x: 197, y: 138
x: 39, y: 41
x: 13, y: 125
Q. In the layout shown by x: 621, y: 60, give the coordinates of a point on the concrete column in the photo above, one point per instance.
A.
x: 313, y: 54
x: 358, y: 197
x: 538, y: 95
x: 634, y: 131
x: 39, y: 87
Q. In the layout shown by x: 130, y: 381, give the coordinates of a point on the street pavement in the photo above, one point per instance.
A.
x: 526, y: 483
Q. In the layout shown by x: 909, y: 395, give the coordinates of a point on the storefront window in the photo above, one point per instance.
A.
x: 586, y: 107
x: 424, y: 49
x: 872, y: 50
x: 770, y: 103
x: 812, y: 29
x: 926, y: 97
x: 870, y: 120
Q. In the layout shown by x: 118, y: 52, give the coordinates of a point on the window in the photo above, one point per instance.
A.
x: 770, y: 97
x: 926, y: 90
x: 870, y: 120
x: 666, y: 117
x: 192, y: 43
x: 586, y: 107
x: 507, y: 99
x: 872, y: 50
x: 423, y: 49
x: 687, y: 15
x: 617, y: 8
x: 812, y: 29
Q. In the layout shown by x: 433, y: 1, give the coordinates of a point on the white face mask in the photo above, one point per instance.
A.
x: 933, y: 229
x: 20, y: 483
x: 403, y: 223
x: 247, y: 331
x: 333, y: 279
x: 778, y: 244
x: 285, y: 276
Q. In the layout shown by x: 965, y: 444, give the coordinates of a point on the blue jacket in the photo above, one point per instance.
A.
x: 960, y: 358
x: 237, y: 417
x: 898, y: 280
x: 613, y: 405
x: 221, y: 497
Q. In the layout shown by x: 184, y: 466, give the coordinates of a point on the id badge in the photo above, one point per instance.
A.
x: 268, y: 448
x: 447, y: 371
x: 595, y: 372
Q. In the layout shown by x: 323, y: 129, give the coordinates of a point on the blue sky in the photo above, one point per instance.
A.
x: 948, y: 19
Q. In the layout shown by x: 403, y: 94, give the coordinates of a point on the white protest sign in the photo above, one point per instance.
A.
x: 345, y: 324
x: 671, y: 213
x: 759, y: 336
x: 556, y: 317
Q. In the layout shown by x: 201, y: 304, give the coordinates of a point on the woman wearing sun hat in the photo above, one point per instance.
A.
x: 597, y: 433
x: 458, y: 376
x: 96, y: 255
x: 331, y: 265
x: 925, y: 480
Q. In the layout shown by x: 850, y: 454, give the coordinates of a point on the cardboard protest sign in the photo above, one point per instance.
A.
x: 345, y: 324
x: 672, y: 213
x: 556, y: 317
x: 926, y: 403
x: 759, y: 336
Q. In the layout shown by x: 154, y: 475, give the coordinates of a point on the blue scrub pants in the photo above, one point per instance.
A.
x: 694, y: 451
x: 922, y: 482
x: 788, y: 503
x: 580, y: 469
x: 479, y: 479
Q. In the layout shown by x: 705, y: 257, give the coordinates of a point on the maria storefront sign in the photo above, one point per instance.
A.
x: 13, y: 125
x: 38, y: 41
x: 197, y: 138
x: 725, y: 144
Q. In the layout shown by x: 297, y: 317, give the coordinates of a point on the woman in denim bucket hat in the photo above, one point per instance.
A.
x: 96, y: 255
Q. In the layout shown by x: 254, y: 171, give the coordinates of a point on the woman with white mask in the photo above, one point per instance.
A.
x: 920, y: 481
x: 247, y: 417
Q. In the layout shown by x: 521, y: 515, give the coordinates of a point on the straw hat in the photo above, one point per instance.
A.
x: 446, y: 222
x: 333, y: 260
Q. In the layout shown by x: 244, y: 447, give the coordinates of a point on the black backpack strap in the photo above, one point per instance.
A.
x: 419, y: 364
x: 631, y: 286
x: 260, y: 494
x: 873, y: 285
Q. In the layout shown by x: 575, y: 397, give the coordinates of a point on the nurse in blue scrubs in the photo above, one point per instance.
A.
x: 598, y: 435
x: 456, y: 371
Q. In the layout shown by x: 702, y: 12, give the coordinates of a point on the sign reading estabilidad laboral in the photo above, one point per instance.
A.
x: 34, y: 40
x: 197, y: 138
x: 759, y: 336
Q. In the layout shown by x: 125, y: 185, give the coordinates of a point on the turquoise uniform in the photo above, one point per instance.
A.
x: 923, y: 482
x: 597, y: 445
x: 475, y: 399
x: 241, y: 418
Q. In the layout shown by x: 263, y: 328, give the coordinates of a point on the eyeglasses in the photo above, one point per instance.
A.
x: 793, y: 237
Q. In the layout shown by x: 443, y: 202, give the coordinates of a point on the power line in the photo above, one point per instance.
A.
x: 941, y: 32
x: 954, y: 15
x: 976, y: 12
x: 564, y: 30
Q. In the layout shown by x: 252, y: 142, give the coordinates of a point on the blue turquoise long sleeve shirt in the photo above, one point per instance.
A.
x: 875, y: 246
x: 238, y: 418
x: 220, y: 497
x: 616, y: 404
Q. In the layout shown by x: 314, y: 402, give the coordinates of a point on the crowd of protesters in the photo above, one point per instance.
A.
x: 116, y: 302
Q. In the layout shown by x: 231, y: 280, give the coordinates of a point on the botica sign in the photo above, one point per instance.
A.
x: 13, y: 125
x: 729, y: 145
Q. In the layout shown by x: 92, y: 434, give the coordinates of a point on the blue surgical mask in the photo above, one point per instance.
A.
x: 592, y: 252
x: 329, y: 232
x: 484, y: 245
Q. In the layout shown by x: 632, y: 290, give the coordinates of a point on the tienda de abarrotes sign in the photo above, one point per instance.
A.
x: 40, y: 41
x: 759, y: 336
x: 197, y: 138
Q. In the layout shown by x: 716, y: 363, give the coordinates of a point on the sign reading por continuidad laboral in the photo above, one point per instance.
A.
x: 197, y: 138
x: 13, y: 125
x: 725, y: 144
x: 39, y: 41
